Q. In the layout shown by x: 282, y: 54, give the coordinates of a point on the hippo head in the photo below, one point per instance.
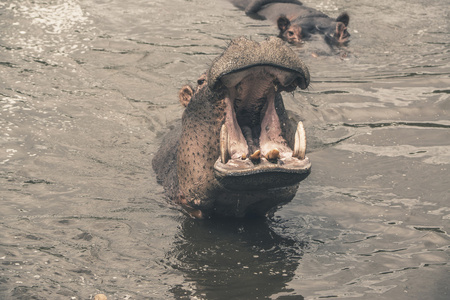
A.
x: 338, y: 34
x: 239, y: 154
x: 291, y: 32
x: 301, y: 29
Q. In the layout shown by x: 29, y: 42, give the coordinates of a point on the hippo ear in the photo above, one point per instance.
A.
x: 344, y: 18
x: 283, y: 23
x: 341, y: 34
x: 185, y: 94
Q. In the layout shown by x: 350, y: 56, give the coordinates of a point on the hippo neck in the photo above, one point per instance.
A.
x: 199, y: 147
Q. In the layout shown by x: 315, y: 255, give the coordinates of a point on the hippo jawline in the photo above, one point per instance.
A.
x: 253, y: 153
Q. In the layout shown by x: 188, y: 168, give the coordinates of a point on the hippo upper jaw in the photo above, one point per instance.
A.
x: 254, y: 154
x: 242, y: 54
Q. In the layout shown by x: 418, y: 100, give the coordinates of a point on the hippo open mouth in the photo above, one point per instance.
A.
x: 253, y: 152
x: 236, y: 152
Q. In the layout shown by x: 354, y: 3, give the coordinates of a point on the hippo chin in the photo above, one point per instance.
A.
x: 237, y: 153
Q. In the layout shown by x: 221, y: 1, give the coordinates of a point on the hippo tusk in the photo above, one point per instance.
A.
x: 224, y: 154
x: 300, y: 142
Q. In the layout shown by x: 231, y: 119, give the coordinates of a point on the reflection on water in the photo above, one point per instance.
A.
x: 227, y: 259
x: 87, y: 89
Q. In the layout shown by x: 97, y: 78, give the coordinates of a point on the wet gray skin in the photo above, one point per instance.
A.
x: 237, y: 153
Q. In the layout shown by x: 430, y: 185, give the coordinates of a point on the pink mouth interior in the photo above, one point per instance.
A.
x: 251, y: 118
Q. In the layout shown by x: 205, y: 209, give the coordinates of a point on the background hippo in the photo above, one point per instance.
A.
x: 297, y: 22
x: 237, y: 153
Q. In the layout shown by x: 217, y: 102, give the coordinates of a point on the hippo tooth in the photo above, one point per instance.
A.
x: 273, y: 155
x: 256, y: 156
x: 300, y: 142
x: 224, y: 154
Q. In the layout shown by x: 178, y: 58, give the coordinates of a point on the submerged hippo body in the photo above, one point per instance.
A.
x: 236, y: 152
x: 296, y: 22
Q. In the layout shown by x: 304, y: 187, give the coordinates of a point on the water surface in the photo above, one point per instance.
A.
x: 88, y: 88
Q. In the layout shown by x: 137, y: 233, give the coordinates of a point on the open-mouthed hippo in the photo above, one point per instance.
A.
x: 236, y: 152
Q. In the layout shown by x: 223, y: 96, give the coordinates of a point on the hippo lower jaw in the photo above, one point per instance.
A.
x: 253, y: 153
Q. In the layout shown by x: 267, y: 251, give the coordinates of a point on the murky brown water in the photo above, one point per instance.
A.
x: 87, y: 89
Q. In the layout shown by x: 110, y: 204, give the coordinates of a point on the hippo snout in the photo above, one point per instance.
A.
x: 243, y: 54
